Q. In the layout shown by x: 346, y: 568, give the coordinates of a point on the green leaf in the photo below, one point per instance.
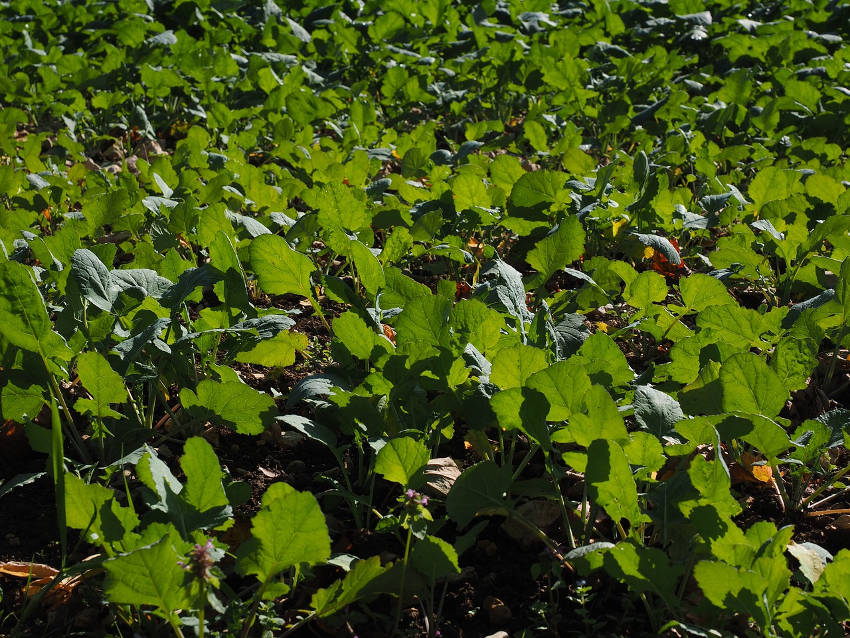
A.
x: 230, y: 403
x: 425, y: 321
x: 702, y: 291
x: 640, y: 169
x: 562, y: 246
x: 656, y: 411
x: 604, y: 361
x: 355, y: 335
x: 731, y: 588
x: 525, y: 410
x: 469, y: 191
x: 368, y: 267
x: 92, y: 278
x: 277, y: 351
x: 648, y: 287
x: 842, y: 290
x: 288, y: 530
x: 824, y: 187
x: 711, y: 480
x: 400, y: 289
x: 141, y: 281
x: 280, y: 269
x: 148, y: 576
x: 835, y: 578
x: 328, y: 601
x: 538, y: 188
x: 337, y: 205
x: 749, y: 385
x: 610, y: 482
x: 772, y: 183
x: 94, y: 508
x: 733, y: 325
x: 793, y: 361
x: 232, y: 289
x: 156, y: 476
x: 473, y: 322
x: 765, y: 434
x: 103, y: 383
x: 311, y: 429
x: 479, y: 490
x: 645, y: 451
x: 187, y: 281
x: 564, y: 384
x: 23, y: 316
x: 434, y: 558
x: 600, y: 419
x: 204, y: 489
x: 401, y: 460
x: 19, y: 403
x: 644, y: 569
x: 512, y: 366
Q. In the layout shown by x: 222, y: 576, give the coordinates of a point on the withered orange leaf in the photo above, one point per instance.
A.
x: 27, y: 570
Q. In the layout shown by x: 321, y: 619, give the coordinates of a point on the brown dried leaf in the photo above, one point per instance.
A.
x: 440, y: 475
x: 28, y: 570
x: 542, y: 513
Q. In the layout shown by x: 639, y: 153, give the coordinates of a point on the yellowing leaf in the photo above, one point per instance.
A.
x: 617, y: 225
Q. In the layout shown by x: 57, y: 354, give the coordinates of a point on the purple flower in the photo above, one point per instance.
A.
x: 200, y: 560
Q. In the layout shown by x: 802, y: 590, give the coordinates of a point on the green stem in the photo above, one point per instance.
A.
x: 403, y: 579
x: 203, y: 597
x: 135, y: 405
x: 786, y: 295
x: 823, y: 487
x: 542, y: 536
x: 780, y: 487
x: 72, y: 429
x: 649, y: 612
x: 584, y: 512
x: 371, y: 500
x: 355, y: 510
x: 528, y: 456
x: 151, y: 405
x: 565, y: 517
x: 834, y: 361
x: 502, y: 446
x: 318, y: 310
x: 253, y: 613
x: 172, y: 620
x: 299, y: 624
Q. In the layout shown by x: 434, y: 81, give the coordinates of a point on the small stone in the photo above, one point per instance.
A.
x: 498, y: 613
x: 842, y: 522
x: 488, y: 547
x: 296, y: 467
x: 498, y: 634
